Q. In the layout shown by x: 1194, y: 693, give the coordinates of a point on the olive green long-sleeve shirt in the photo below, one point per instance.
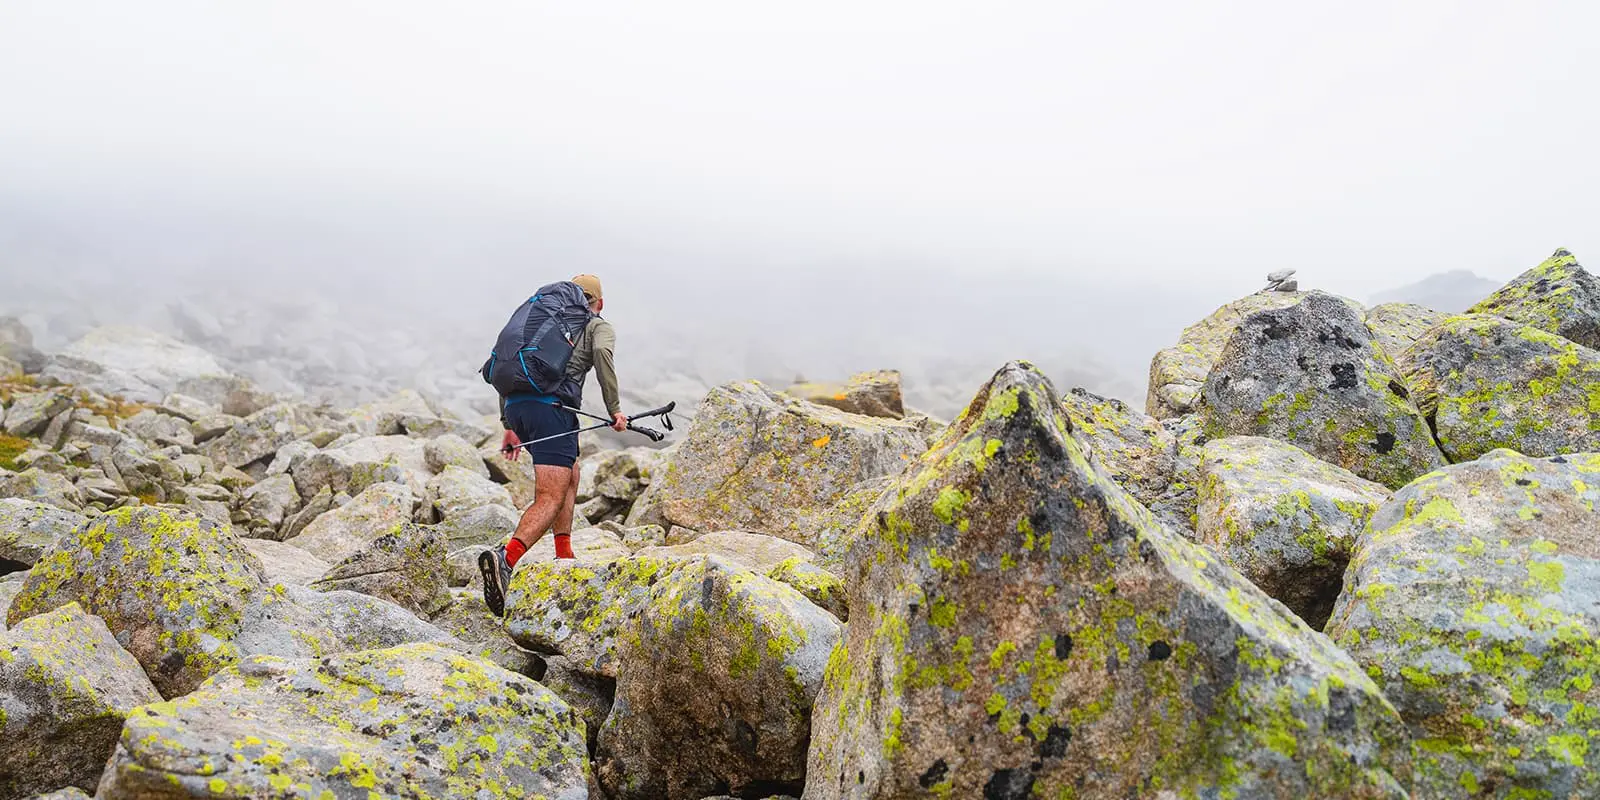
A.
x: 596, y: 348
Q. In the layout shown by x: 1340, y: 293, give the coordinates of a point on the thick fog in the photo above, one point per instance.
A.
x: 355, y: 195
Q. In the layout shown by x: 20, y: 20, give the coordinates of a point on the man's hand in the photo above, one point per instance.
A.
x: 511, y: 446
x: 619, y: 422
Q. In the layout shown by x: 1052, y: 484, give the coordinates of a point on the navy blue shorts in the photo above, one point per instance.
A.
x: 532, y: 419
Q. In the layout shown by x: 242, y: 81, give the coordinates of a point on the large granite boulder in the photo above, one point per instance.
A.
x: 1559, y: 296
x: 722, y: 666
x: 1397, y: 326
x: 1283, y: 519
x: 1312, y: 375
x: 345, y: 531
x: 353, y: 466
x: 1177, y: 372
x: 412, y: 721
x: 1474, y: 600
x: 65, y: 688
x: 172, y: 588
x: 762, y: 461
x: 405, y: 566
x: 576, y: 608
x: 1020, y: 627
x: 1486, y: 383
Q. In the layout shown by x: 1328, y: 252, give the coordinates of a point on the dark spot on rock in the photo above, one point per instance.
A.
x: 1399, y: 390
x: 706, y: 587
x: 1344, y: 376
x: 883, y: 520
x: 935, y: 774
x: 1524, y: 482
x: 1275, y: 330
x: 1063, y: 646
x: 1008, y: 784
x: 1160, y: 651
x: 1070, y: 428
x: 912, y: 608
x: 1023, y: 721
x: 1558, y: 460
x: 1036, y: 766
x: 861, y: 778
x: 1303, y: 362
x: 1385, y: 443
x: 1147, y: 551
x: 1055, y: 742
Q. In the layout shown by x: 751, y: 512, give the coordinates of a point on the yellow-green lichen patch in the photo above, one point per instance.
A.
x: 417, y: 721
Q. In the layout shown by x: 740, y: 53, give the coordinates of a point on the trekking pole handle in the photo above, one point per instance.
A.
x: 651, y: 434
x: 666, y: 409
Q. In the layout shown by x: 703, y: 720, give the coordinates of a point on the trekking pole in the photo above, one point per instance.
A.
x: 653, y: 435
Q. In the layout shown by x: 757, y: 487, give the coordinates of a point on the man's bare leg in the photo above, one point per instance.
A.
x: 563, y: 522
x: 550, y: 492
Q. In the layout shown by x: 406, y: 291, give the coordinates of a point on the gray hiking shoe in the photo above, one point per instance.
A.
x: 496, y: 577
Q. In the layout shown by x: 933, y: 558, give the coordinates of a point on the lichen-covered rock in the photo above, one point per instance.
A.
x: 873, y: 394
x: 347, y: 530
x: 28, y: 528
x: 65, y: 688
x: 1021, y: 627
x: 753, y: 551
x: 293, y: 621
x: 452, y: 450
x: 284, y: 563
x: 356, y: 465
x: 820, y: 586
x: 1559, y: 296
x: 468, y: 620
x: 267, y: 504
x: 140, y: 365
x: 1474, y: 600
x: 411, y: 721
x: 1134, y: 449
x: 1284, y: 519
x: 457, y: 490
x: 29, y: 414
x: 1311, y: 375
x: 574, y: 608
x: 41, y: 486
x: 1397, y: 326
x: 405, y: 566
x: 1177, y: 372
x: 722, y: 666
x: 517, y: 476
x: 171, y: 587
x: 382, y: 417
x: 1486, y: 383
x: 762, y: 461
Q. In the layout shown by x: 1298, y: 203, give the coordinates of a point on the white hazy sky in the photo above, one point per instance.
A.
x: 1376, y: 142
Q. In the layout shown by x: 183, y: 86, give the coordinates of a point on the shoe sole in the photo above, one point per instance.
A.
x: 494, y: 595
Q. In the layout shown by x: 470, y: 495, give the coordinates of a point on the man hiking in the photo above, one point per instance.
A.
x: 529, y: 355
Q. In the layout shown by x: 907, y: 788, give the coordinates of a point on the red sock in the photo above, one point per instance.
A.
x: 514, y: 550
x: 564, y: 545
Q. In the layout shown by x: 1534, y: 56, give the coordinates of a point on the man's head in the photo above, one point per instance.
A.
x: 591, y: 289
